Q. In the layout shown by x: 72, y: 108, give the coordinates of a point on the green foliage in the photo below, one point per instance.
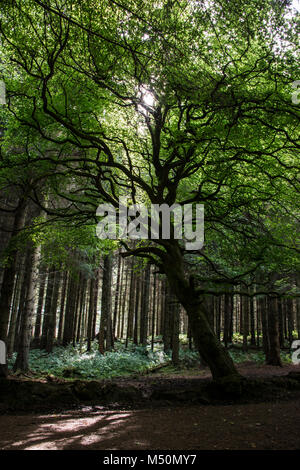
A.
x: 239, y: 356
x: 222, y: 128
x: 189, y: 358
x: 69, y: 362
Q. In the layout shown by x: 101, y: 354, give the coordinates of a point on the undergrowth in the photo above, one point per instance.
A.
x: 70, y: 362
x: 74, y: 362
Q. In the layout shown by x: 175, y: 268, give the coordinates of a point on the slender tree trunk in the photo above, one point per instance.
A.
x: 90, y: 313
x: 175, y: 335
x: 298, y: 308
x: 117, y: 295
x: 79, y: 331
x: 124, y: 302
x: 245, y: 316
x: 130, y: 319
x: 252, y: 323
x: 153, y: 311
x: 47, y: 308
x: 280, y: 323
x: 52, y: 317
x: 145, y: 311
x: 273, y: 333
x: 262, y: 302
x: 227, y: 314
x: 95, y: 298
x: 9, y: 273
x: 137, y: 309
x: 21, y: 305
x: 62, y: 307
x: 167, y: 331
x: 14, y: 315
x: 290, y: 318
x: 76, y: 308
x: 218, y: 317
x: 38, y: 320
x: 70, y: 313
x: 22, y: 360
x: 105, y: 323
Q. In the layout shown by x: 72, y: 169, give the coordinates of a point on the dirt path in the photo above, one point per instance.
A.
x: 259, y: 426
x: 265, y: 426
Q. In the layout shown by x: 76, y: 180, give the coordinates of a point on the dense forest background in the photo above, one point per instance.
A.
x: 162, y: 102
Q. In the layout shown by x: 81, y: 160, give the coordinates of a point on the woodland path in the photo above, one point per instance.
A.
x: 271, y: 425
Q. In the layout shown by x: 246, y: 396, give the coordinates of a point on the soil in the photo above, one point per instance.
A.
x: 155, y: 411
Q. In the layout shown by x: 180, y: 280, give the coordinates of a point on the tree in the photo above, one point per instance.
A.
x: 105, y: 325
x: 30, y: 281
x: 165, y: 103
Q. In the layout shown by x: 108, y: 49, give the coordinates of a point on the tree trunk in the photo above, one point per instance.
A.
x: 90, y: 314
x: 38, y: 320
x: 245, y: 316
x: 297, y: 280
x: 290, y: 318
x: 14, y: 315
x: 280, y: 323
x: 69, y: 312
x: 153, y: 311
x: 117, y: 295
x: 52, y: 317
x: 209, y: 347
x: 145, y: 306
x: 175, y: 334
x: 252, y: 322
x: 273, y: 333
x: 62, y: 307
x: 218, y: 316
x: 167, y: 331
x: 105, y: 323
x: 227, y: 315
x: 47, y: 307
x: 130, y: 319
x: 22, y: 360
x: 262, y: 302
x: 9, y: 273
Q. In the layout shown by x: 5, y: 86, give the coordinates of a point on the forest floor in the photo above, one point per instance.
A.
x: 165, y: 415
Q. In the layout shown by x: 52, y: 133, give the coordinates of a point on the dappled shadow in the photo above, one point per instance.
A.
x: 171, y: 427
x: 255, y: 426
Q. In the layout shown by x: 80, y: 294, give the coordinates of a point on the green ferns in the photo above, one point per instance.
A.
x: 70, y: 362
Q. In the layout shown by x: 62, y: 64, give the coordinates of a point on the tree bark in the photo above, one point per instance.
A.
x: 145, y: 306
x: 9, y: 273
x: 175, y: 334
x: 62, y: 307
x: 47, y: 307
x: 273, y: 333
x: 22, y: 360
x: 38, y: 320
x: 209, y: 347
x: 105, y: 323
x: 52, y: 317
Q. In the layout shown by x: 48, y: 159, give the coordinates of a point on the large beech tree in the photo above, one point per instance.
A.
x: 164, y: 102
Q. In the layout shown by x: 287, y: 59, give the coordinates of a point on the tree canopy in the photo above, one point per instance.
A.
x: 162, y: 102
